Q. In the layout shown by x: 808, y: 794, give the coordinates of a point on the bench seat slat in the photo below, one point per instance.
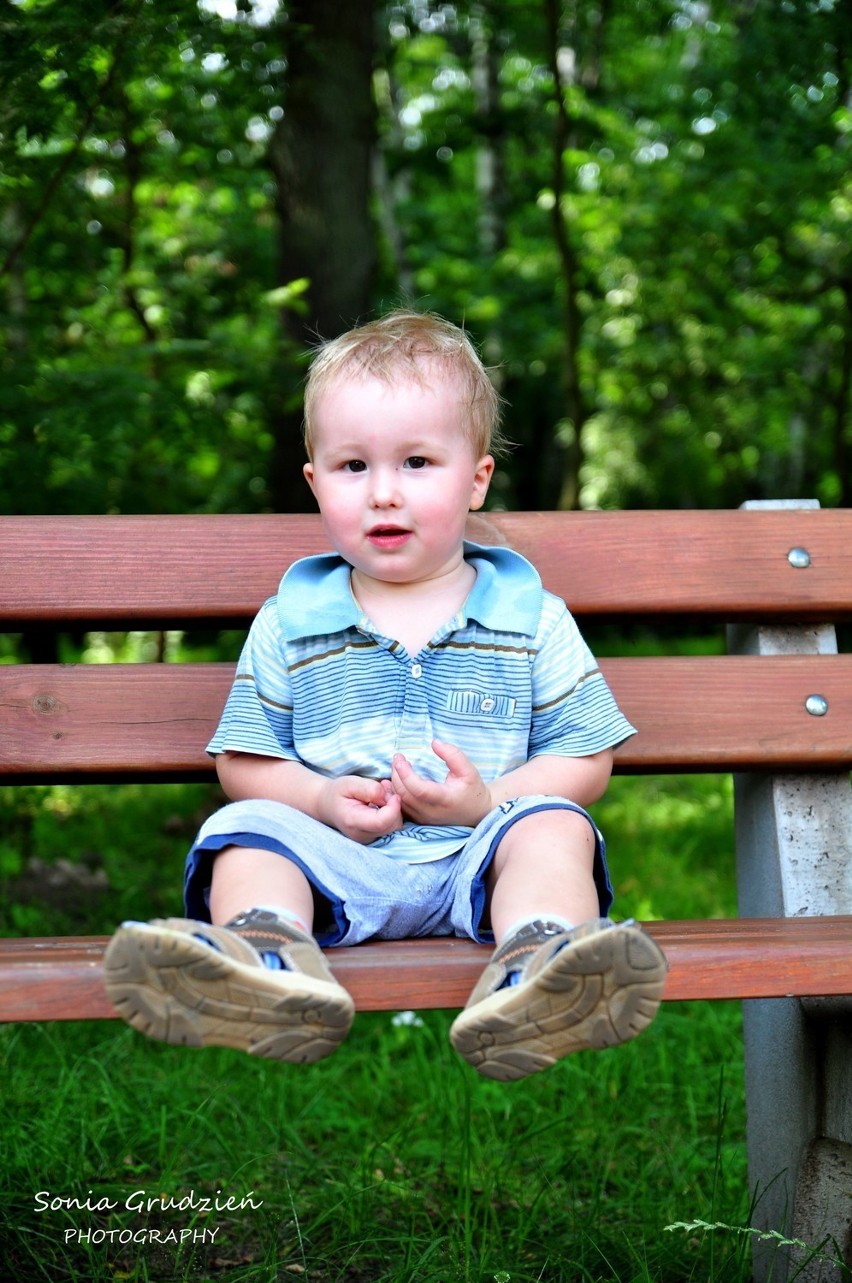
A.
x: 49, y: 979
x: 731, y: 712
x: 727, y: 564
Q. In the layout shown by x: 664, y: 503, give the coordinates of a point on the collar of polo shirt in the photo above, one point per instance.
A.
x: 315, y: 597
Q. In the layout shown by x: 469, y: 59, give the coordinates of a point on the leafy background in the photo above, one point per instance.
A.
x: 640, y: 209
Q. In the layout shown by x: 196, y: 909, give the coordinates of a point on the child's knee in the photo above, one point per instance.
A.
x: 546, y: 825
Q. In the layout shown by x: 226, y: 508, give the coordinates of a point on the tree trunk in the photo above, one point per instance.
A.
x: 490, y: 158
x: 320, y: 155
x: 576, y: 409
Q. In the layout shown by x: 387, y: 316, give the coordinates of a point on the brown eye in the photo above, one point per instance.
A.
x: 416, y: 461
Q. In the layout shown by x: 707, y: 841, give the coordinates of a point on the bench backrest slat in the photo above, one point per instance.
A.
x: 137, y: 571
x: 731, y: 712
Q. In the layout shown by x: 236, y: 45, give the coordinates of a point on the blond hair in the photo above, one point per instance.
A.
x: 406, y: 344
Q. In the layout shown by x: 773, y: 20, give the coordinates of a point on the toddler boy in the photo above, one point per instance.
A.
x: 414, y: 730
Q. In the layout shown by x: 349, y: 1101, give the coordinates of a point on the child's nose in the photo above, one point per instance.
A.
x: 384, y: 491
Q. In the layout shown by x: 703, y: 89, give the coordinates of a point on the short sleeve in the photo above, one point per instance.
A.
x: 574, y: 713
x: 258, y: 714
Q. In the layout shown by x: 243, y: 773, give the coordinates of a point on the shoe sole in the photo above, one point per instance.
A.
x: 179, y: 990
x: 599, y: 992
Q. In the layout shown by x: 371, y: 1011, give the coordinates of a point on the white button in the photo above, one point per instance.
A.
x: 487, y: 704
x: 416, y: 670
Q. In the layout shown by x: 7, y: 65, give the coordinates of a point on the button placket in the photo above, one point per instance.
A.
x: 414, y: 728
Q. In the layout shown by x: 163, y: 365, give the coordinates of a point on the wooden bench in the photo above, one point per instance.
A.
x: 776, y: 710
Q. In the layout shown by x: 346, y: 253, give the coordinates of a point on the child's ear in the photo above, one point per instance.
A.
x: 481, y: 481
x: 308, y: 472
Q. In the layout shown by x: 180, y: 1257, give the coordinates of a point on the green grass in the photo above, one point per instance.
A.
x: 392, y: 1161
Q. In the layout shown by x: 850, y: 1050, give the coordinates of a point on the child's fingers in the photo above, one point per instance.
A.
x: 402, y: 772
x: 370, y: 792
x: 457, y: 761
x: 406, y: 781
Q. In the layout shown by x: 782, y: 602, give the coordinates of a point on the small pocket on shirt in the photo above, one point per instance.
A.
x: 472, y: 703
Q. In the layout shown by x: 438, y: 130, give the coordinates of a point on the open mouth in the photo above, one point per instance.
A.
x: 388, y: 536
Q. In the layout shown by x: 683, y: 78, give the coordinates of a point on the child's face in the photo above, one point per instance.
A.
x: 395, y: 475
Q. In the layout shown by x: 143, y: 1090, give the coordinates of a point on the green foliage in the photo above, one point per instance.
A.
x: 642, y: 213
x: 715, y: 322
x: 142, y: 331
x: 75, y: 861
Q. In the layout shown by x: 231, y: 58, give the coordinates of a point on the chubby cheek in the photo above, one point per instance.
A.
x: 331, y: 497
x: 451, y: 504
x: 341, y: 520
x: 347, y: 528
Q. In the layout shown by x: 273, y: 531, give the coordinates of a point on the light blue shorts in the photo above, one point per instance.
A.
x: 361, y: 893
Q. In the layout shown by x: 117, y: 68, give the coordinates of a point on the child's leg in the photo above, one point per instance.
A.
x: 561, y: 979
x: 542, y: 869
x: 245, y: 878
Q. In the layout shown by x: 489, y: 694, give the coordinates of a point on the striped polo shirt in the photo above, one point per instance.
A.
x: 507, y: 678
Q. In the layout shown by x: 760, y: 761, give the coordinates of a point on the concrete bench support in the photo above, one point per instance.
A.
x: 794, y: 858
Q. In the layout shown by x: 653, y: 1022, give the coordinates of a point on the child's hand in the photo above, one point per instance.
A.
x: 359, y: 808
x: 461, y: 798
